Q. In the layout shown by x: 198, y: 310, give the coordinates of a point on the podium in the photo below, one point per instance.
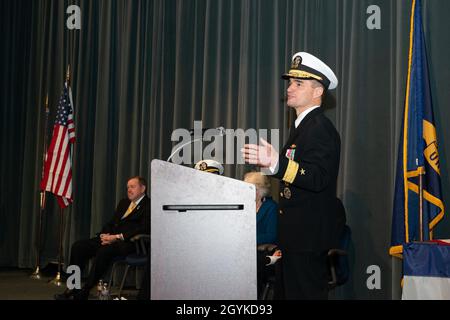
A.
x: 203, y: 235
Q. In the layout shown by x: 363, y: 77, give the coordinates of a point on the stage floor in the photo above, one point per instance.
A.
x: 16, y: 284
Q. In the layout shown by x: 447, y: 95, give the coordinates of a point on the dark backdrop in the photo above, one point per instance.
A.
x: 144, y: 68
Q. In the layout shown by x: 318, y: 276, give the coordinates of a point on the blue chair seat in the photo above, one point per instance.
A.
x: 136, y: 260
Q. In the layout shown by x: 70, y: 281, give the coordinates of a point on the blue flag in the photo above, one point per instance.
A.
x: 418, y: 159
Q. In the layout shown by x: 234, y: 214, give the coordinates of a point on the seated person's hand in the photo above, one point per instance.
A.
x: 103, y: 236
x: 107, y: 238
x: 274, y: 257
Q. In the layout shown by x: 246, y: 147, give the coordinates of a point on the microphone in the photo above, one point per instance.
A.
x: 219, y: 131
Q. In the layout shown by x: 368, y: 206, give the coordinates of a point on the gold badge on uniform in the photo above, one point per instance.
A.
x: 287, y: 193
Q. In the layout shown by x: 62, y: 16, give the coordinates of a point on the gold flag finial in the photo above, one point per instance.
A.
x: 68, y: 74
x: 46, y: 102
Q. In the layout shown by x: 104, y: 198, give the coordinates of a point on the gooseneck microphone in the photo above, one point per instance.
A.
x: 219, y: 131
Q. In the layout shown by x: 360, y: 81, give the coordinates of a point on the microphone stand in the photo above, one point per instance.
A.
x: 182, y: 146
x: 221, y: 130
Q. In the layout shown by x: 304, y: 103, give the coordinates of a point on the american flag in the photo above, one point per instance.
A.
x: 58, y: 163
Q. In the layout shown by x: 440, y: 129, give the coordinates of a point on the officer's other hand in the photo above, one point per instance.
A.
x: 263, y: 155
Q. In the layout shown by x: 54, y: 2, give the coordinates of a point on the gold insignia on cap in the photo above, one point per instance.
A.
x: 303, y: 74
x: 203, y: 166
x: 302, y: 171
x: 296, y: 62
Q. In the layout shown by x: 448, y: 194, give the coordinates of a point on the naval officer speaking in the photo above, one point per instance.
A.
x: 307, y: 167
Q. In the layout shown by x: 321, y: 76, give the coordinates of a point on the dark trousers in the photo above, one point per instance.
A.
x: 263, y: 272
x: 83, y: 250
x: 302, y: 276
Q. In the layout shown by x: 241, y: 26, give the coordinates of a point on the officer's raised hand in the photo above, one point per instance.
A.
x: 263, y: 155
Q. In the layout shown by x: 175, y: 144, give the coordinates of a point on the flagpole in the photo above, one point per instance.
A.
x: 57, y: 280
x: 421, y: 174
x: 72, y: 146
x: 37, y: 274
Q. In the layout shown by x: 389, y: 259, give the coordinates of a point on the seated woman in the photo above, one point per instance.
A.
x: 266, y: 209
x: 266, y: 226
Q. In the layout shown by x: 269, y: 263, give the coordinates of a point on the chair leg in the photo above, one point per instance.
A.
x: 111, y: 277
x: 265, y: 291
x: 138, y: 277
x: 123, y: 280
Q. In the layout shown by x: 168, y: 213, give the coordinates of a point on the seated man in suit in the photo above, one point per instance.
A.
x: 132, y: 217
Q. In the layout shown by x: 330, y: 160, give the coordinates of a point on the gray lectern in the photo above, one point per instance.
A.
x: 203, y: 235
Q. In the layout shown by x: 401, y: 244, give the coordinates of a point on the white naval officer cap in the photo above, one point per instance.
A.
x: 209, y: 165
x: 306, y: 66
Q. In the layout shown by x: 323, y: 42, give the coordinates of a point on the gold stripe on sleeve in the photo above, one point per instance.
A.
x: 291, y: 171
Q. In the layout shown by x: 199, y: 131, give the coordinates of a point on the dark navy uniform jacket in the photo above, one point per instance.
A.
x: 309, y: 217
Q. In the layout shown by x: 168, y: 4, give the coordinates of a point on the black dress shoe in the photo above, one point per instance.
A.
x: 82, y: 294
x: 67, y: 294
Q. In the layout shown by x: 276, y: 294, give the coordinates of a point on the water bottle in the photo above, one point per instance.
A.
x: 105, y: 292
x: 99, y: 289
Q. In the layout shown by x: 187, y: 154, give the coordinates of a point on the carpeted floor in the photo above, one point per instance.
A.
x: 16, y: 284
